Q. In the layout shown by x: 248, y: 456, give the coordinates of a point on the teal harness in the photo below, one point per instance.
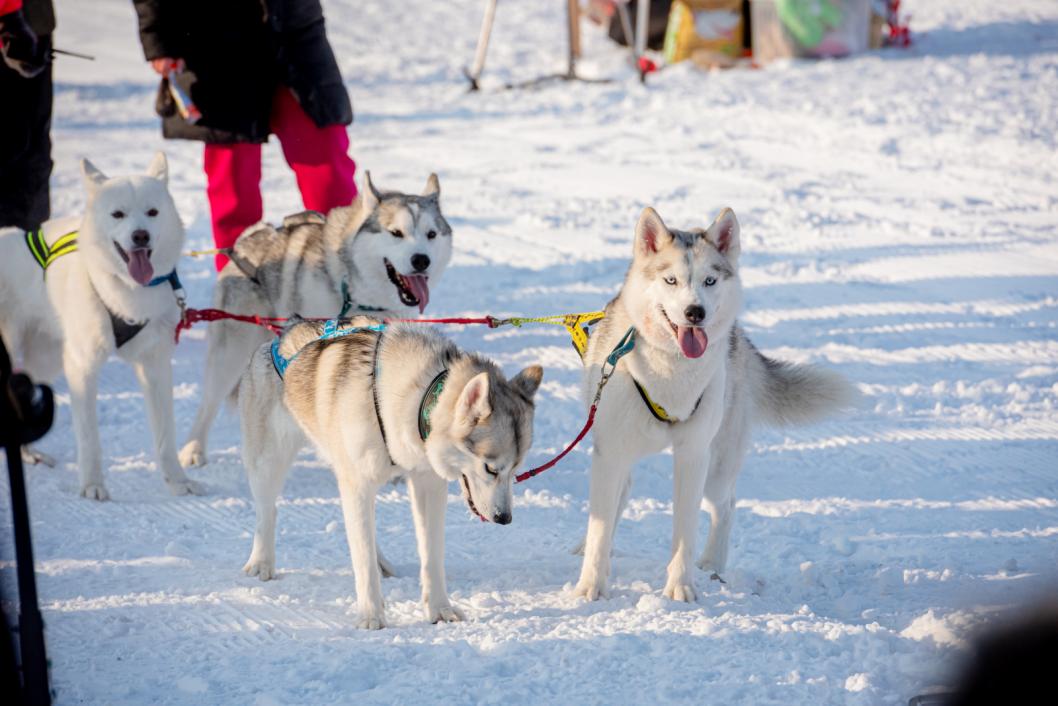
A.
x: 331, y: 331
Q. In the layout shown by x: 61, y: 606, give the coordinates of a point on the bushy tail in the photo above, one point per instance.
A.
x: 792, y: 394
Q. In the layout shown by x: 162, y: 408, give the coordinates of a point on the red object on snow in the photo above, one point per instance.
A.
x: 647, y: 66
x: 899, y: 27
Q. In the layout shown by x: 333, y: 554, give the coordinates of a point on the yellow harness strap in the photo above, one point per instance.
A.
x: 46, y: 254
x: 579, y: 327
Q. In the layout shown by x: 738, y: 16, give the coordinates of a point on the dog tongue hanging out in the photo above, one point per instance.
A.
x: 692, y: 340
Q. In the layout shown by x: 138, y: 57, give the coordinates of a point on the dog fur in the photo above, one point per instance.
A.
x: 61, y: 323
x: 300, y: 268
x: 481, y: 431
x: 682, y: 294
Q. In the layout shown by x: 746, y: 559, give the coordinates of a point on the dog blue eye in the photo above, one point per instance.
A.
x: 396, y: 233
x: 710, y: 281
x: 671, y: 281
x: 117, y: 214
x: 431, y: 235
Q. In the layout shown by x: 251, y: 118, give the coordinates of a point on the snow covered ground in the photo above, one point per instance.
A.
x: 899, y: 211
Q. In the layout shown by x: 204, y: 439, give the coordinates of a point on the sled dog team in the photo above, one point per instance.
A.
x: 385, y: 400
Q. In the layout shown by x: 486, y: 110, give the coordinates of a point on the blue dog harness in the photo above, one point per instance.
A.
x: 330, y: 332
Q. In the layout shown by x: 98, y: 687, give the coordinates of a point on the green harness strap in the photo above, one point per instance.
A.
x: 46, y: 254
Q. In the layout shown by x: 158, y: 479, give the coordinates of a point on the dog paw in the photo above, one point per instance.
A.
x: 193, y: 455
x: 680, y: 591
x: 263, y: 569
x: 185, y: 486
x: 94, y: 491
x: 373, y: 621
x: 445, y: 614
x: 591, y: 589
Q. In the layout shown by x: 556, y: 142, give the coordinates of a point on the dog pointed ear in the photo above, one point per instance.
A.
x: 159, y: 168
x: 528, y: 381
x: 369, y: 193
x: 473, y: 404
x: 651, y: 233
x: 724, y: 234
x: 93, y: 178
x: 433, y: 187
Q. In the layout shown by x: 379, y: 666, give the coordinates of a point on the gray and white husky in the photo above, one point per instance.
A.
x: 378, y: 405
x: 111, y: 293
x: 708, y: 386
x: 379, y: 254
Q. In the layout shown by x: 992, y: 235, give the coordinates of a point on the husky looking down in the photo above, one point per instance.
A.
x: 378, y: 255
x: 377, y: 405
x: 693, y: 382
x: 67, y: 307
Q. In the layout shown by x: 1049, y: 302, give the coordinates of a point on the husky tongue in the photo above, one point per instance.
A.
x: 692, y: 340
x: 419, y: 286
x: 140, y: 267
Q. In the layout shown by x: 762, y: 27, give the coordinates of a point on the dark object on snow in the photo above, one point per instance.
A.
x: 26, y: 412
x: 1013, y: 664
x: 238, y: 52
x: 25, y: 141
x: 659, y: 20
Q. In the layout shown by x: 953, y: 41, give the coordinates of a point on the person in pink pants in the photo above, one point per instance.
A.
x: 319, y: 157
x: 251, y: 69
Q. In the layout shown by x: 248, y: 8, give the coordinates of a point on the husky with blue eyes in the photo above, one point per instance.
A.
x: 379, y: 403
x: 693, y: 382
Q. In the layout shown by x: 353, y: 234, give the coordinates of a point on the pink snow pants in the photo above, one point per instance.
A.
x: 319, y: 157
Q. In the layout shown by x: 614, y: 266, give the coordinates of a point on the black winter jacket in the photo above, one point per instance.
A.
x: 237, y: 52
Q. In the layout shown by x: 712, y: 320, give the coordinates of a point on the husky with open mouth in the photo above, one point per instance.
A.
x: 78, y: 290
x: 379, y: 404
x: 379, y: 255
x: 692, y: 381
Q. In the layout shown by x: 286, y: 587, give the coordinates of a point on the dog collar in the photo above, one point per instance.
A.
x: 172, y: 278
x: 429, y: 401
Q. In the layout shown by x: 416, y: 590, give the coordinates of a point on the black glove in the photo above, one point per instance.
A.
x: 21, y: 50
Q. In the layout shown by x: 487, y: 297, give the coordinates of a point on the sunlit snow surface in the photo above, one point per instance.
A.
x: 899, y: 216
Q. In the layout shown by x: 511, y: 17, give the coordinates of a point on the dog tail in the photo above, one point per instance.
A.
x: 792, y: 394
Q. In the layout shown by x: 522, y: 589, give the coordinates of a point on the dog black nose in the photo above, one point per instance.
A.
x: 420, y: 262
x: 502, y: 518
x: 141, y: 238
x: 694, y: 313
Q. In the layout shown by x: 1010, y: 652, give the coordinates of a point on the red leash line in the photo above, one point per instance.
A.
x: 274, y: 323
x: 540, y: 469
x: 193, y: 316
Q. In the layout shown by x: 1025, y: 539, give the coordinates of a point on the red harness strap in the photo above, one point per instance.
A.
x: 193, y: 316
x: 540, y: 469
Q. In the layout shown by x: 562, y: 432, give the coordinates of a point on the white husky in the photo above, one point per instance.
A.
x: 378, y: 255
x: 79, y: 290
x: 693, y: 381
x: 378, y: 405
